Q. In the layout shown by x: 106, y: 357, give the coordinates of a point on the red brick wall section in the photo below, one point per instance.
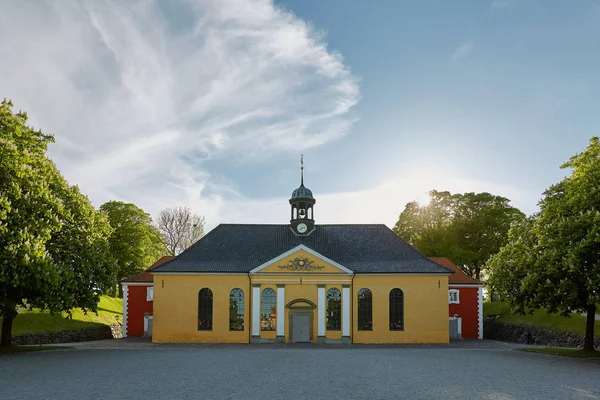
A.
x: 468, y: 310
x: 136, y: 307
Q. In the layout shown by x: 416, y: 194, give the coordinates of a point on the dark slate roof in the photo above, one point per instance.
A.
x: 302, y: 193
x: 360, y: 248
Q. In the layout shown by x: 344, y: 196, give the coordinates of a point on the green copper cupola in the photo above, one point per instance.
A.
x: 302, y: 203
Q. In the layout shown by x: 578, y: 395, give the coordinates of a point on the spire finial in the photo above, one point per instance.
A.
x: 301, y: 169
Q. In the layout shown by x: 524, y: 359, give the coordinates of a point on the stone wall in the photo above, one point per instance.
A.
x: 78, y: 335
x: 531, y: 335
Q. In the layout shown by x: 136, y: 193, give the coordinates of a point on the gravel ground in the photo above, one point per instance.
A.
x: 130, y: 369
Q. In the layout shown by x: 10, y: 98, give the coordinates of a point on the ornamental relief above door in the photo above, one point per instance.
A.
x: 301, y: 264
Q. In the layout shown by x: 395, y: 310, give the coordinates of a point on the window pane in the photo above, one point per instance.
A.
x: 205, y: 309
x: 268, y: 314
x: 150, y: 294
x: 236, y: 310
x: 396, y: 310
x: 365, y: 310
x: 334, y: 310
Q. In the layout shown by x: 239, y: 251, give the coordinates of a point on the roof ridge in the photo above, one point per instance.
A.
x: 341, y: 224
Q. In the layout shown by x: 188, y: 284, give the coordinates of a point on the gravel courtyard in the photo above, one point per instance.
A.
x: 487, y: 371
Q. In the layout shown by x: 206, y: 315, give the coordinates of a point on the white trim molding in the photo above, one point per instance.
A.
x: 453, y: 296
x: 138, y: 283
x: 197, y: 273
x: 480, y: 306
x: 308, y: 250
x: 256, y: 310
x: 125, y: 295
x: 402, y: 274
x: 464, y: 285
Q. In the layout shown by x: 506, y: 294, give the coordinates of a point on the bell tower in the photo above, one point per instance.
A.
x: 302, y: 203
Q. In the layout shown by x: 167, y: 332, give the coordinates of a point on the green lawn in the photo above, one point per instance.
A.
x: 110, y: 311
x: 29, y: 349
x: 540, y: 319
x: 591, y: 355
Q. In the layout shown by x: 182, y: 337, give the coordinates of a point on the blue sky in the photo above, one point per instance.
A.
x: 209, y: 103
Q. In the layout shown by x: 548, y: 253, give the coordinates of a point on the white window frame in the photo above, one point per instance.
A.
x: 150, y: 293
x: 453, y: 296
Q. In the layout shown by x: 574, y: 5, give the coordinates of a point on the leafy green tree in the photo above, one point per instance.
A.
x: 480, y: 227
x: 468, y: 228
x: 135, y: 243
x: 53, y: 244
x: 554, y: 260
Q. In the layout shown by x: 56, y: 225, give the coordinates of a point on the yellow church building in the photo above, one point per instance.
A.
x: 300, y: 282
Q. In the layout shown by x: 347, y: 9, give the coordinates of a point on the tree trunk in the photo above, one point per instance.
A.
x: 120, y: 291
x: 7, y: 323
x: 588, y: 343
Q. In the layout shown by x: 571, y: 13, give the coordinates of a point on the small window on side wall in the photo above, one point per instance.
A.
x: 453, y: 296
x: 149, y: 293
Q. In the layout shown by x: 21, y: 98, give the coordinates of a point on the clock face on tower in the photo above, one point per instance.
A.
x: 301, y: 228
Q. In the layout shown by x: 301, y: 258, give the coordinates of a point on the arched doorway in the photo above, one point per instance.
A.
x: 301, y: 317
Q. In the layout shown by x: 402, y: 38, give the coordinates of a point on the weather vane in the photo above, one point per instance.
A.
x: 302, y: 169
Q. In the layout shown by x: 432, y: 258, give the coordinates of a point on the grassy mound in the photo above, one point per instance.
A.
x: 539, y: 319
x: 110, y: 311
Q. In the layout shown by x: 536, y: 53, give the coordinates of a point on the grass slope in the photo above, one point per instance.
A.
x: 110, y: 311
x: 540, y: 319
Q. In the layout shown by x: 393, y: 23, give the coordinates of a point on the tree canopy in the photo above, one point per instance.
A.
x: 53, y: 244
x: 135, y: 243
x: 467, y: 228
x: 553, y: 259
x: 179, y: 228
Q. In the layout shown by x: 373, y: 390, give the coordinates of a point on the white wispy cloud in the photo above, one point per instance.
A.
x: 463, y: 50
x: 140, y: 93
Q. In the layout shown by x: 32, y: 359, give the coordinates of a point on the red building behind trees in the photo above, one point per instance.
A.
x: 465, y: 300
x: 138, y: 295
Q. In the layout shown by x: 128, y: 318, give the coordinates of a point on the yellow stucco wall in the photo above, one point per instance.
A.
x: 176, y: 308
x: 425, y: 309
x: 176, y: 304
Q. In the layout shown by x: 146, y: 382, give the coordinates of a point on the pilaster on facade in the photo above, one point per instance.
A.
x: 321, y: 313
x: 255, y: 311
x: 346, y: 300
x: 480, y: 306
x: 125, y: 296
x: 280, y: 314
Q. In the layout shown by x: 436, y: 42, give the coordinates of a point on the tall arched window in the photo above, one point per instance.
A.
x: 236, y: 310
x: 396, y: 310
x: 365, y: 310
x: 268, y: 310
x: 205, y: 309
x: 334, y: 310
